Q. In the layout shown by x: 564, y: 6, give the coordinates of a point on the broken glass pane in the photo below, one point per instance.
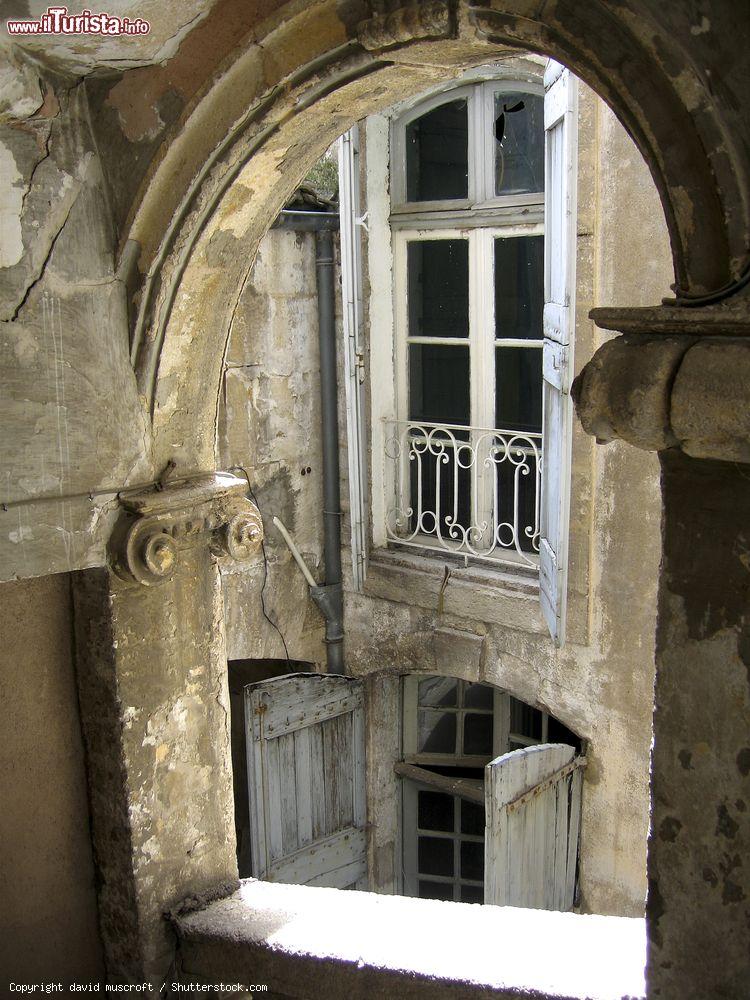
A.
x: 519, y: 143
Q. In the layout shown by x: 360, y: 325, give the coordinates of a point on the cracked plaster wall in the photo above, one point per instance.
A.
x: 269, y: 424
x: 72, y: 419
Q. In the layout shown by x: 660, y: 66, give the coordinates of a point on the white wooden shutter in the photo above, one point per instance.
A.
x: 532, y: 816
x: 306, y: 778
x: 560, y: 143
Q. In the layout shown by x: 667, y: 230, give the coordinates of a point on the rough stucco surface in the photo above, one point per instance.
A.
x: 155, y: 704
x: 700, y: 837
x: 49, y: 926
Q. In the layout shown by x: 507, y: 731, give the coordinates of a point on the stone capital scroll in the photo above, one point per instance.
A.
x: 208, y: 509
x: 677, y: 378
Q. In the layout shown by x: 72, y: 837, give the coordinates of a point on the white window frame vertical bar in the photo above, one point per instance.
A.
x: 351, y: 289
x: 381, y: 277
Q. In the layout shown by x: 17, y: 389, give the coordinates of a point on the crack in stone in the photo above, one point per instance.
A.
x: 37, y: 165
x: 32, y: 285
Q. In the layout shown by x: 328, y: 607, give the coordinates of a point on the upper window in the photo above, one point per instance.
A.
x: 468, y: 224
x: 472, y: 146
x: 470, y: 384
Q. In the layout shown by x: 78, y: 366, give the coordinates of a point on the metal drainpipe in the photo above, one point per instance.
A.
x: 329, y: 597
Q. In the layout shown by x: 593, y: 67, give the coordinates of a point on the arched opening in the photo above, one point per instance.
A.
x: 269, y: 428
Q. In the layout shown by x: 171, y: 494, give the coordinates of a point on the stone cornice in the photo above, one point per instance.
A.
x: 158, y: 524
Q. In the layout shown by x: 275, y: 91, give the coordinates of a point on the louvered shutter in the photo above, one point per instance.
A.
x: 560, y: 141
x: 532, y: 816
x: 306, y: 778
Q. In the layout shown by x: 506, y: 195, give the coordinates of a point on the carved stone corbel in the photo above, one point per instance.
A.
x: 158, y: 525
x: 678, y: 378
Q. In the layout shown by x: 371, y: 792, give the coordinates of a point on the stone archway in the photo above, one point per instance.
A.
x: 310, y: 91
x: 322, y: 69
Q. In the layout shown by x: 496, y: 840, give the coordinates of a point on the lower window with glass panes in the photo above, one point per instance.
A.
x: 453, y: 728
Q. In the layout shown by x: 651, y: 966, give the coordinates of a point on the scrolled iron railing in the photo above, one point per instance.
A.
x: 471, y: 491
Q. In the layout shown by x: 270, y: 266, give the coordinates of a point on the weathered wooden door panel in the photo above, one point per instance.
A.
x: 533, y: 810
x: 306, y: 777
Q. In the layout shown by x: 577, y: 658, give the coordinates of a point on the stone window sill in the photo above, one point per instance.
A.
x: 495, y: 596
x: 308, y: 942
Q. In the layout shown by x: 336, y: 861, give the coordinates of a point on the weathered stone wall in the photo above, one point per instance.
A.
x: 601, y: 684
x: 50, y: 924
x: 269, y: 424
x: 155, y: 705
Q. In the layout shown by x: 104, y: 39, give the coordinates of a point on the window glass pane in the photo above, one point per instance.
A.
x: 518, y: 381
x: 435, y: 890
x: 472, y: 818
x: 438, y: 288
x: 478, y: 696
x: 436, y: 731
x: 438, y: 691
x: 472, y: 894
x: 435, y: 811
x: 439, y: 383
x: 519, y: 143
x: 478, y: 734
x: 437, y: 158
x: 519, y: 287
x: 472, y: 860
x: 525, y: 720
x: 435, y: 856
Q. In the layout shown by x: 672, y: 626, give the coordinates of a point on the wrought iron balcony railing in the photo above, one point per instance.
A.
x: 470, y: 491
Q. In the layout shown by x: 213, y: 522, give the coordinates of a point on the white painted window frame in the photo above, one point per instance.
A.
x: 480, y: 219
x: 389, y: 214
x: 350, y: 223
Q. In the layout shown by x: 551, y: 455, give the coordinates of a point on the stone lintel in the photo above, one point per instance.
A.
x: 159, y: 523
x: 676, y: 378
